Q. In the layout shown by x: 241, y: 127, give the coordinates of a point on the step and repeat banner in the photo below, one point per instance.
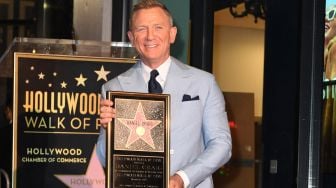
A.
x: 56, y: 119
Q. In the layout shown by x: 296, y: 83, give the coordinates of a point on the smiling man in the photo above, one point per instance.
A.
x: 151, y: 33
x: 200, y: 136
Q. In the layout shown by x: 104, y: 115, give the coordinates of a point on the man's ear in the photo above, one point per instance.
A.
x: 173, y: 32
x: 130, y: 36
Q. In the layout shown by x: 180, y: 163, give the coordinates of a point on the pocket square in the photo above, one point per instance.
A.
x: 188, y: 98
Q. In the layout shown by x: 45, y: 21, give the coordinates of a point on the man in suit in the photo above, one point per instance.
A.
x: 200, y: 136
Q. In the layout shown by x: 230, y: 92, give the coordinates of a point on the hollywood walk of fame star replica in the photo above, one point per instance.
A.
x: 138, y: 140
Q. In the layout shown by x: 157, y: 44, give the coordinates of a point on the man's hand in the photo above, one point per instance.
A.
x: 175, y: 181
x: 107, y: 113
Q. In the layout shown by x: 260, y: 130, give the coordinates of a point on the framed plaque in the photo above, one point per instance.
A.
x: 138, y: 140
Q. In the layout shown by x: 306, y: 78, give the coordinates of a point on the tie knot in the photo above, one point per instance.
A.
x: 153, y: 85
x: 154, y: 73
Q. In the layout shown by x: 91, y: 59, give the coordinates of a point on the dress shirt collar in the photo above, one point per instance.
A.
x: 162, y: 69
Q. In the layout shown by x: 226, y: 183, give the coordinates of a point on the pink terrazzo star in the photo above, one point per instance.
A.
x: 140, y: 127
x: 93, y: 178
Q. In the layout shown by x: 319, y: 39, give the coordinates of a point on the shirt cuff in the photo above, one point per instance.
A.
x: 184, y: 177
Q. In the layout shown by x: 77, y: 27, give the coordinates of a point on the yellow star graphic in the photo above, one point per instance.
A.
x: 81, y: 80
x: 63, y: 84
x: 102, y: 74
x: 41, y: 76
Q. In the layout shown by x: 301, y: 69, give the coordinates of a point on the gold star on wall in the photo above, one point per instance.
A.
x: 63, y: 85
x: 81, y: 80
x: 41, y: 76
x: 102, y: 74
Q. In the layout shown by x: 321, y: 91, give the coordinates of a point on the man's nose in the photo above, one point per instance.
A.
x: 150, y: 34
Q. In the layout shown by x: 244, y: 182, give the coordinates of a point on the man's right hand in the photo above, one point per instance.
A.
x: 107, y: 113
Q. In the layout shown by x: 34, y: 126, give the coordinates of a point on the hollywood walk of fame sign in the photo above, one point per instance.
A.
x: 138, y: 140
x: 56, y: 118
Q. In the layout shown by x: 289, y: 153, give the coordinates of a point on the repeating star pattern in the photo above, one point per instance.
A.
x: 81, y: 80
x: 93, y: 178
x: 102, y: 74
x: 140, y: 127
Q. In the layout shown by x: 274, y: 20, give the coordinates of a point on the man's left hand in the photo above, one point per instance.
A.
x: 175, y: 181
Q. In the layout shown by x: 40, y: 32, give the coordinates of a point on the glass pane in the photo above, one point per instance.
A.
x: 328, y: 142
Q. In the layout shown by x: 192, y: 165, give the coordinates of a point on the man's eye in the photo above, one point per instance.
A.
x: 140, y: 29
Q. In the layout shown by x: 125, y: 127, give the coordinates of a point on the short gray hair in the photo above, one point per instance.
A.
x: 147, y: 4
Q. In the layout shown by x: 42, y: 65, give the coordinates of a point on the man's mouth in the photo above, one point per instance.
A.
x: 326, y: 27
x: 150, y: 45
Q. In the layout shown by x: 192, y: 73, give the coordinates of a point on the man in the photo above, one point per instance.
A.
x: 200, y: 136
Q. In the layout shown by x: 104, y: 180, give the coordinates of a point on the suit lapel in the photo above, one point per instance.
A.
x: 178, y: 82
x: 178, y: 77
x: 132, y: 80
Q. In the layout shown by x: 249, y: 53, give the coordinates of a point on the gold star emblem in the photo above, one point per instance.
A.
x: 63, y: 85
x: 81, y: 80
x: 41, y: 76
x: 102, y: 74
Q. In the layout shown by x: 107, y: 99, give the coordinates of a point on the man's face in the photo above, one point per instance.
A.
x: 330, y: 19
x: 151, y: 34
